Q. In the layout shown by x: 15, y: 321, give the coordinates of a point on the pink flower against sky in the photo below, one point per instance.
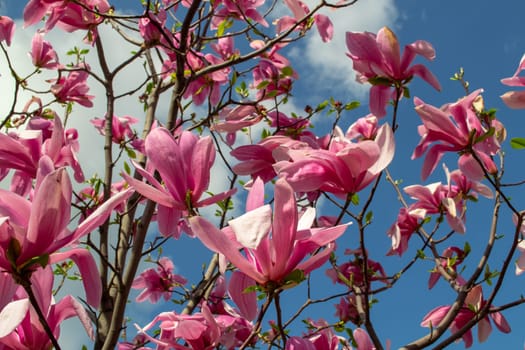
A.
x: 42, y: 53
x: 7, y: 29
x: 33, y: 233
x: 345, y: 168
x: 473, y: 304
x: 184, y: 164
x: 456, y: 128
x: 377, y: 59
x: 515, y: 99
x: 274, y: 245
x: 73, y: 88
x: 159, y: 282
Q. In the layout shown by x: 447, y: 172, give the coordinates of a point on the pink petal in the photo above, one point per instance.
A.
x: 100, y: 215
x: 285, y: 220
x: 379, y: 98
x: 150, y: 192
x: 217, y: 241
x: 500, y: 322
x: 245, y: 301
x: 251, y: 227
x: 11, y: 316
x: 325, y: 27
x: 88, y: 270
x: 51, y: 209
x: 69, y: 307
x: 514, y: 99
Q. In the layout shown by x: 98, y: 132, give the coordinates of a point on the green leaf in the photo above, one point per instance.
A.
x: 355, y: 199
x: 517, y: 143
x: 127, y: 169
x: 368, y: 217
x: 352, y: 105
x: 287, y: 71
x: 263, y: 84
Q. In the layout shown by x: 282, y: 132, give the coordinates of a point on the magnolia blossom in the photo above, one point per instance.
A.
x: 73, y: 88
x: 120, y: 127
x: 67, y: 15
x: 270, y: 257
x: 474, y: 302
x: 243, y: 9
x: 449, y: 200
x: 33, y: 233
x: 515, y: 99
x: 158, y: 282
x: 450, y: 259
x: 345, y: 168
x: 300, y: 11
x: 42, y: 53
x: 457, y: 128
x: 378, y: 60
x: 184, y: 165
x: 7, y: 29
x: 21, y: 328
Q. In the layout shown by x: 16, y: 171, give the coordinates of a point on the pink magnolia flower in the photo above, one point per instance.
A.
x: 300, y: 11
x: 7, y: 29
x: 408, y: 221
x: 158, y: 282
x: 206, y: 86
x: 345, y: 168
x: 378, y: 60
x: 67, y: 15
x: 450, y: 259
x: 515, y: 99
x: 149, y: 27
x: 120, y: 127
x: 269, y: 80
x: 258, y: 160
x: 184, y: 165
x: 22, y: 151
x: 42, y: 53
x: 22, y: 329
x: 457, y: 128
x: 352, y: 272
x: 33, y: 233
x: 73, y: 88
x: 224, y: 46
x: 270, y: 257
x: 241, y: 10
x: 199, y: 331
x: 449, y: 200
x: 473, y: 304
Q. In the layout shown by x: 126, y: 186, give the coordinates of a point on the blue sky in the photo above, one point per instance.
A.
x: 482, y: 37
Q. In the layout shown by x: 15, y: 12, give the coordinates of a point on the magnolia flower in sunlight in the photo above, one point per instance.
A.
x: 42, y: 53
x: 120, y: 127
x: 377, y: 59
x: 7, y: 29
x: 270, y: 257
x: 456, y: 128
x: 345, y: 168
x: 21, y: 328
x: 32, y: 234
x: 73, y: 87
x: 515, y: 99
x: 158, y: 282
x: 450, y: 259
x: 474, y: 302
x: 300, y: 11
x: 184, y: 164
